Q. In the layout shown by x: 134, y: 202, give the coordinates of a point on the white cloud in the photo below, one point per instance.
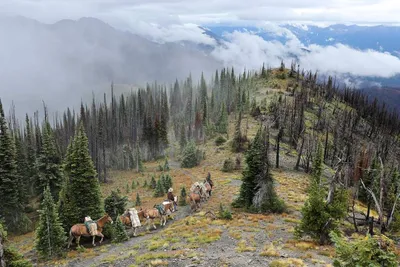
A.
x: 246, y: 50
x: 199, y: 11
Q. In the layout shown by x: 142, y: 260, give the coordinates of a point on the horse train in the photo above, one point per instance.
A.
x: 199, y: 192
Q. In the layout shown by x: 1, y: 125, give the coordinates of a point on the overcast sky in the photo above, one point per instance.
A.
x: 207, y: 12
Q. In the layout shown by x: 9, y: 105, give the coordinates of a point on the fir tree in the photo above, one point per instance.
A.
x: 10, y: 205
x: 159, y: 191
x: 169, y: 181
x: 166, y: 165
x: 222, y: 123
x: 191, y: 156
x: 115, y: 204
x: 153, y: 182
x: 31, y: 164
x: 182, y: 198
x: 128, y: 189
x: 266, y: 199
x: 120, y: 234
x: 133, y: 185
x: 319, y: 218
x: 237, y: 142
x: 50, y: 235
x: 139, y: 163
x: 164, y: 182
x: 22, y: 175
x: 255, y: 162
x: 138, y: 200
x: 49, y: 163
x: 82, y: 188
x: 182, y: 140
x: 145, y: 184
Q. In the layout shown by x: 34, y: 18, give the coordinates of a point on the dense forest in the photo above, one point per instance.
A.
x: 357, y: 137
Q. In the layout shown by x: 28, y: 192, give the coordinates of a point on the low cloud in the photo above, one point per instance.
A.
x: 247, y: 50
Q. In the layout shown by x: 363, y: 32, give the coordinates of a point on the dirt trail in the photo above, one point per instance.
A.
x: 115, y: 249
x: 124, y: 249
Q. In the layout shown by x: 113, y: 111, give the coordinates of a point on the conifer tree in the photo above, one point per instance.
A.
x: 22, y: 175
x: 10, y: 204
x: 115, y: 204
x: 164, y: 182
x: 133, y: 185
x: 159, y: 191
x: 319, y: 217
x: 128, y: 189
x: 182, y: 140
x: 31, y: 164
x: 237, y: 142
x: 50, y: 235
x: 49, y: 163
x: 265, y: 198
x: 139, y: 163
x: 222, y: 123
x: 255, y: 161
x: 153, y: 182
x: 182, y: 198
x: 138, y: 200
x: 120, y: 234
x: 191, y: 156
x: 82, y: 188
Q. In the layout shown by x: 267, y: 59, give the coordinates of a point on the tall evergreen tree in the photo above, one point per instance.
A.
x: 22, y: 175
x: 10, y: 205
x: 255, y: 162
x: 49, y: 163
x: 265, y: 198
x: 31, y: 164
x: 222, y: 123
x: 138, y: 200
x: 82, y: 187
x: 159, y: 191
x: 50, y: 235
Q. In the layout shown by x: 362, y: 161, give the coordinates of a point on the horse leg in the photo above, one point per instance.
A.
x: 78, y: 238
x: 71, y: 238
x: 93, y: 243
x: 101, y: 235
x: 148, y: 224
x: 134, y: 231
x: 154, y: 225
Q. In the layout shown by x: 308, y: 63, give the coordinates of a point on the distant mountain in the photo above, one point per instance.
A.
x: 62, y: 62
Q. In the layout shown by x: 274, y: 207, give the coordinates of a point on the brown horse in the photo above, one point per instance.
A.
x: 80, y: 229
x: 168, y: 207
x: 208, y: 188
x: 151, y: 214
x: 195, y: 198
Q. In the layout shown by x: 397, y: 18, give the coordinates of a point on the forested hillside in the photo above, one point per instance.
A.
x: 344, y: 146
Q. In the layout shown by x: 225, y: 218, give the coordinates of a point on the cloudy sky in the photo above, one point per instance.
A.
x: 206, y: 12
